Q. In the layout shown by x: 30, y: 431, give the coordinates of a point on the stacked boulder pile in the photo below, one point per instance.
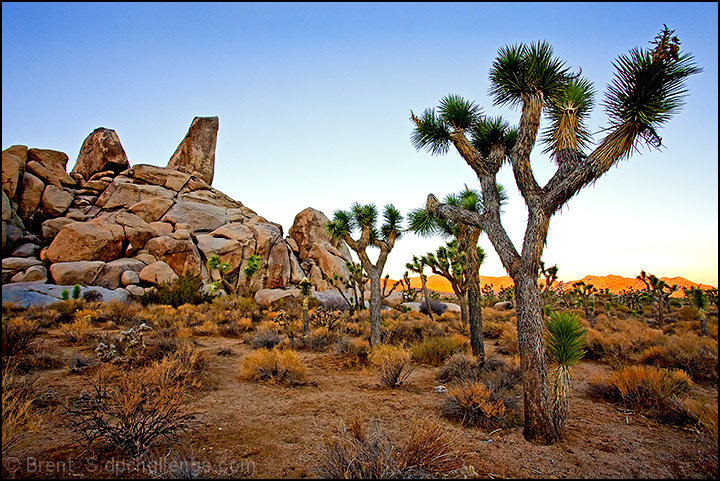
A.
x: 123, y: 229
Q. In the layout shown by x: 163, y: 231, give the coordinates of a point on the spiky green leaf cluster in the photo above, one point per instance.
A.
x: 491, y: 131
x: 647, y: 90
x: 565, y: 338
x: 568, y: 113
x: 520, y: 70
x: 364, y: 216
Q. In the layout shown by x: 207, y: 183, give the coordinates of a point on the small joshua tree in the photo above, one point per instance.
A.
x: 222, y: 267
x: 550, y: 274
x: 250, y: 270
x: 363, y: 218
x: 418, y: 266
x: 566, y: 346
x: 305, y: 293
x: 699, y: 300
x: 660, y: 292
x: 586, y: 294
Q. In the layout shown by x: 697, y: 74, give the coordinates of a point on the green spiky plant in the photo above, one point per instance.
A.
x: 214, y: 262
x: 648, y: 89
x: 565, y: 340
x: 253, y: 266
x: 363, y: 218
x: 76, y: 291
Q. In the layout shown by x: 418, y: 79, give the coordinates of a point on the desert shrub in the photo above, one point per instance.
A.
x: 434, y: 350
x: 359, y: 452
x: 355, y: 352
x: 234, y: 327
x: 493, y: 329
x: 437, y: 307
x: 278, y: 366
x: 492, y: 315
x: 289, y: 324
x: 317, y: 340
x: 697, y: 356
x: 460, y: 368
x: 187, y: 289
x: 127, y: 348
x: 507, y: 342
x: 392, y: 362
x: 78, y: 331
x: 79, y: 363
x: 130, y: 410
x: 92, y: 296
x: 265, y: 337
x: 474, y: 404
x: 407, y: 329
x: 39, y: 357
x: 706, y: 414
x: 122, y: 314
x: 656, y: 391
x: 18, y: 336
x: 20, y: 415
x: 333, y: 320
x: 186, y: 366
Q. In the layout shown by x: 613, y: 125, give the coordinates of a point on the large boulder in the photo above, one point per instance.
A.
x: 196, y: 153
x: 13, y: 165
x: 79, y: 272
x: 26, y: 294
x: 55, y: 200
x: 269, y: 298
x: 101, y: 151
x: 158, y: 273
x: 55, y: 164
x: 111, y: 274
x: 200, y: 216
x: 96, y: 240
x: 180, y: 254
x: 31, y: 191
x: 166, y: 177
x: 315, y: 247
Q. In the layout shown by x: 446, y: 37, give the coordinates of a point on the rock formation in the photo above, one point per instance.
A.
x: 125, y: 228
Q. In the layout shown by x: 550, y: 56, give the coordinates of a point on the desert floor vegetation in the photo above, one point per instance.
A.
x: 227, y: 389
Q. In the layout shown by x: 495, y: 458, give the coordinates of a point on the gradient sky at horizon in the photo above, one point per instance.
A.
x: 314, y: 102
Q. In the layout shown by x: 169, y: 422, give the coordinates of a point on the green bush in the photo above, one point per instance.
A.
x: 185, y: 290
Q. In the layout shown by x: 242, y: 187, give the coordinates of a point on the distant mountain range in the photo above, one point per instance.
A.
x: 616, y: 284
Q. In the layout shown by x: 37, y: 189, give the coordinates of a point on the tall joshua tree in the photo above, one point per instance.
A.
x: 425, y: 223
x: 699, y: 300
x: 647, y: 90
x: 364, y: 217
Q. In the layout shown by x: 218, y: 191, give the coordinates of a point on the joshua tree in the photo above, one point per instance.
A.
x: 222, y: 267
x: 551, y: 276
x: 660, y: 292
x: 699, y: 300
x: 305, y: 293
x: 418, y: 266
x: 586, y: 296
x: 425, y: 223
x: 363, y: 217
x: 565, y: 346
x: 250, y: 270
x: 647, y: 90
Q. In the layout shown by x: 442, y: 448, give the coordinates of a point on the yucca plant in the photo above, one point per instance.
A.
x: 566, y: 347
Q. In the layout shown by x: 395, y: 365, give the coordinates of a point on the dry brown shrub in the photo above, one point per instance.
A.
x: 359, y: 452
x: 697, y: 356
x: 131, y: 410
x: 277, y: 366
x: 18, y: 336
x: 353, y: 351
x: 474, y: 404
x: 20, y: 415
x: 435, y: 350
x: 658, y: 392
x: 79, y: 331
x: 507, y: 342
x: 393, y: 364
x: 706, y: 414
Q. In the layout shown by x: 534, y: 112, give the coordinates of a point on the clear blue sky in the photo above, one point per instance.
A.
x: 314, y: 103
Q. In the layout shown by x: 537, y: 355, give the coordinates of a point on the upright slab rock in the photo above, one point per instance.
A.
x: 101, y: 151
x: 196, y: 153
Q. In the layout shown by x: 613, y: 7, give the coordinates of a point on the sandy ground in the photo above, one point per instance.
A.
x: 268, y: 431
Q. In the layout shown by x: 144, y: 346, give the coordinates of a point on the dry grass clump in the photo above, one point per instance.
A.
x: 658, y: 392
x: 508, y: 341
x: 697, y: 356
x: 18, y: 336
x: 122, y: 314
x: 487, y: 396
x: 354, y: 351
x: 407, y: 328
x: 497, y: 316
x: 79, y: 331
x: 706, y: 414
x: 279, y: 366
x: 266, y: 336
x: 392, y: 362
x: 620, y: 341
x: 131, y: 410
x: 359, y: 452
x: 434, y: 350
x: 20, y: 415
x: 460, y: 368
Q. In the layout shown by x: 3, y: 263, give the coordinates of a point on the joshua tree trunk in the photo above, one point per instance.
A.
x: 423, y: 280
x: 702, y: 314
x: 474, y: 299
x: 375, y: 306
x: 305, y: 317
